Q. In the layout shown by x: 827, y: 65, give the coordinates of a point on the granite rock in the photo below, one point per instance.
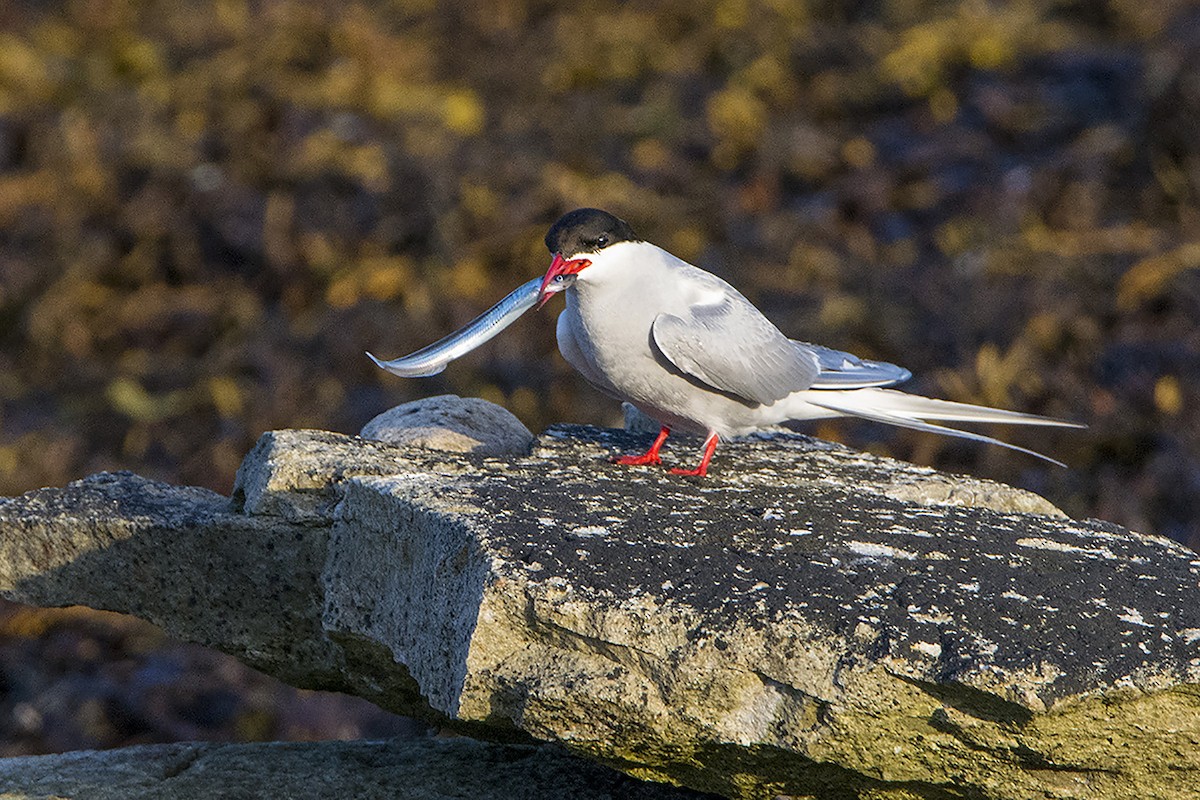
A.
x: 806, y: 621
x: 454, y: 424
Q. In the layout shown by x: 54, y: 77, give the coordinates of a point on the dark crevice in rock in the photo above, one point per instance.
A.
x: 801, y: 777
x: 623, y: 655
x: 183, y: 764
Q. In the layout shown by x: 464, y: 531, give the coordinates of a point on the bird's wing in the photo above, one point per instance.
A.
x: 724, y: 341
x: 841, y: 370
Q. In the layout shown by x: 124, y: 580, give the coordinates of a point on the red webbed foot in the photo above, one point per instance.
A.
x: 710, y: 447
x: 650, y: 456
x: 638, y: 461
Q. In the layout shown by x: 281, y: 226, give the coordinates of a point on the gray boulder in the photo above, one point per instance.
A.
x: 454, y: 424
x: 422, y: 769
x: 806, y: 621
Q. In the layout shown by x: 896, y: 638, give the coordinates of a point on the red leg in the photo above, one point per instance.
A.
x: 710, y: 447
x: 651, y: 455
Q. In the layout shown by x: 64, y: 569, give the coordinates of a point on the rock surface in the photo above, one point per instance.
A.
x: 806, y: 621
x: 454, y: 424
x: 421, y: 769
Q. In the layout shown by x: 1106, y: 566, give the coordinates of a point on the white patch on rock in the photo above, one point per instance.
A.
x: 1134, y: 617
x: 873, y: 550
x: 931, y: 649
x: 1190, y: 635
x: 1038, y: 543
x: 932, y: 615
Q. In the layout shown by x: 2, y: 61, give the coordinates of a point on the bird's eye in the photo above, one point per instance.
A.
x: 601, y: 240
x: 559, y: 278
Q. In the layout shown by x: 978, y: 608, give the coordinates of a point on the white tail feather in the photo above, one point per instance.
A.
x: 910, y: 411
x: 902, y: 404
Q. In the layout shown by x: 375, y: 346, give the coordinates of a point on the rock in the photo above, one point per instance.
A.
x: 797, y: 623
x: 454, y: 424
x: 179, y: 557
x: 637, y: 422
x: 420, y: 769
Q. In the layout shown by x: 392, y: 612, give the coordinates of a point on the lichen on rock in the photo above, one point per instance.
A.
x: 806, y: 621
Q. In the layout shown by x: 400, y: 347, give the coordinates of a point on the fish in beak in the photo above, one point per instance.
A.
x: 560, y: 276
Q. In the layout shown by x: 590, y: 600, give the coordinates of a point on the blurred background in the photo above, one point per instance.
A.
x: 210, y: 209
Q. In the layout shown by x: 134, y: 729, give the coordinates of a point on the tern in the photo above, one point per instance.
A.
x: 688, y: 350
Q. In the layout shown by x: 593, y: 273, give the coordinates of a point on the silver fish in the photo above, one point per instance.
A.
x: 433, y: 359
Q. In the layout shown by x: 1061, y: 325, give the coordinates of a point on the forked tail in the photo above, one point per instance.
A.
x: 913, y: 411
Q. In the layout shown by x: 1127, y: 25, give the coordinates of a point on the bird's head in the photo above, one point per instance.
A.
x: 574, y: 241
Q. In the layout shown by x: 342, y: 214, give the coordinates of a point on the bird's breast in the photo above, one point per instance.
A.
x: 611, y: 343
x: 609, y: 334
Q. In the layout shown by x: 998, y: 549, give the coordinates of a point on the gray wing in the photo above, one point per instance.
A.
x: 728, y: 344
x: 841, y: 370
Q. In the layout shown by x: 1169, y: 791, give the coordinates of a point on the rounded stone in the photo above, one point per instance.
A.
x: 452, y: 423
x: 637, y: 422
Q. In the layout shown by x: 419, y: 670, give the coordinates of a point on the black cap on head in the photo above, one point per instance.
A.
x: 587, y: 230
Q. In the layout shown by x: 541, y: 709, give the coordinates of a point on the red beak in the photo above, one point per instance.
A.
x: 559, y: 266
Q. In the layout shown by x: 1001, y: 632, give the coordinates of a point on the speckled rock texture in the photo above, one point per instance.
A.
x: 452, y: 423
x: 422, y: 769
x: 807, y: 621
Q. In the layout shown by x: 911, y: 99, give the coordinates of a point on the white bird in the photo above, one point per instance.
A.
x: 689, y: 351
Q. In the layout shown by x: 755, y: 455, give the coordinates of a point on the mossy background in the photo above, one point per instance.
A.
x: 209, y: 210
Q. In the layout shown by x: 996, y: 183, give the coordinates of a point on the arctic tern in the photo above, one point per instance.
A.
x: 689, y: 351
